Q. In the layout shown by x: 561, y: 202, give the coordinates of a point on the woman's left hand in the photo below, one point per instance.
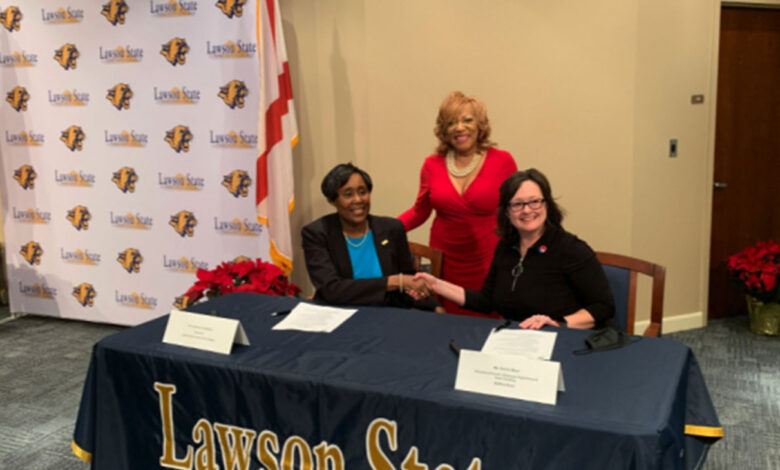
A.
x: 536, y: 322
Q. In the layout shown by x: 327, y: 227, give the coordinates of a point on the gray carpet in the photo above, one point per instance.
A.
x: 742, y: 371
x: 43, y: 362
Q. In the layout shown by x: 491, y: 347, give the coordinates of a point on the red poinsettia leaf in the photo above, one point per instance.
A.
x: 769, y: 280
x: 204, y: 275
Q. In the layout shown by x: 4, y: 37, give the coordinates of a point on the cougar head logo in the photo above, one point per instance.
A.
x: 79, y: 216
x: 237, y: 183
x: 125, y: 179
x: 184, y: 223
x: 11, y: 18
x: 181, y: 302
x: 32, y: 252
x: 130, y: 259
x: 66, y: 56
x: 25, y: 175
x: 73, y: 137
x: 18, y: 98
x: 115, y: 11
x: 85, y: 294
x: 175, y: 51
x: 233, y: 93
x: 119, y: 95
x: 179, y: 138
x: 231, y: 8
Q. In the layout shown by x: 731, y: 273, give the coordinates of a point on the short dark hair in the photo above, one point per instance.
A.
x: 505, y: 230
x: 338, y: 177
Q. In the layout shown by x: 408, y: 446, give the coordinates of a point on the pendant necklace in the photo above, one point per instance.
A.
x: 517, y: 271
x: 461, y: 172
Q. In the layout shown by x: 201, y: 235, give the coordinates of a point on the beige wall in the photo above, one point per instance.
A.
x: 588, y: 92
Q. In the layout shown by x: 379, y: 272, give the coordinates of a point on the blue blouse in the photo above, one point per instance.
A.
x: 365, y: 262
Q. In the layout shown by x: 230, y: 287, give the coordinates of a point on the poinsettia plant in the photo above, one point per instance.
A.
x: 243, y: 275
x: 757, y: 268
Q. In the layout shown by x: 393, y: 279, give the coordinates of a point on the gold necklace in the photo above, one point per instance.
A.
x: 362, y: 239
x: 461, y: 172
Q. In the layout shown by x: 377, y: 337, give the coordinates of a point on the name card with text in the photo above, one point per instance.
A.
x: 509, y: 376
x: 206, y: 332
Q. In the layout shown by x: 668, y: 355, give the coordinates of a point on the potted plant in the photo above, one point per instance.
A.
x: 241, y: 275
x: 756, y: 269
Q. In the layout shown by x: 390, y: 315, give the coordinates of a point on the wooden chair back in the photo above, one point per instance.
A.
x: 622, y: 274
x: 421, y: 252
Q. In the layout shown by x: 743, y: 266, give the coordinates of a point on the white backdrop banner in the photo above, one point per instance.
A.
x: 128, y: 151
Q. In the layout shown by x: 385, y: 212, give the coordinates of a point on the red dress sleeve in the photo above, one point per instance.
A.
x: 422, y: 207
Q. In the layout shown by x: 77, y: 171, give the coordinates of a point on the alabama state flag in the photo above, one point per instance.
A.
x: 278, y: 134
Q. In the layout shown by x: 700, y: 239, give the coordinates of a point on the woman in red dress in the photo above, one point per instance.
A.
x: 461, y: 182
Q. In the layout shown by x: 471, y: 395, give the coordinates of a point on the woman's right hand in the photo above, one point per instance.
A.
x: 430, y: 280
x: 442, y: 288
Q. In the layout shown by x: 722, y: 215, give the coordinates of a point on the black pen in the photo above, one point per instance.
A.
x: 502, y: 326
x: 454, y: 347
x: 280, y: 313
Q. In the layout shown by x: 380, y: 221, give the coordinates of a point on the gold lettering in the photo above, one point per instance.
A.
x: 376, y: 458
x: 205, y: 456
x: 235, y: 446
x: 267, y: 446
x: 411, y: 462
x: 168, y: 459
x: 476, y: 464
x: 324, y: 452
x: 292, y: 444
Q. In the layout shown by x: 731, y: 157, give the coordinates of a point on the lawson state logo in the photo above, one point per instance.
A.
x: 231, y: 8
x: 233, y: 93
x: 79, y: 217
x: 32, y: 252
x: 18, y: 59
x: 119, y: 95
x: 184, y: 222
x: 18, y: 98
x: 73, y: 138
x: 237, y: 183
x: 173, y: 8
x: 179, y: 138
x: 85, y: 294
x: 125, y: 179
x: 115, y: 11
x: 11, y: 18
x: 184, y: 264
x: 66, y: 56
x: 130, y: 260
x: 25, y: 175
x: 175, y: 51
x: 62, y: 16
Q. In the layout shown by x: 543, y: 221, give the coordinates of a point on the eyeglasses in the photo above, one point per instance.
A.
x: 533, y: 205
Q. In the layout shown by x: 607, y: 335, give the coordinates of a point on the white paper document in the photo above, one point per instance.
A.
x: 206, y: 332
x: 509, y: 376
x: 314, y: 318
x: 529, y: 343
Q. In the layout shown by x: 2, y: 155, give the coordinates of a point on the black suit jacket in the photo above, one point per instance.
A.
x: 330, y: 268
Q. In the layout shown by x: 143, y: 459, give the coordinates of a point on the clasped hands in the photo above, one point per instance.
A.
x: 416, y: 287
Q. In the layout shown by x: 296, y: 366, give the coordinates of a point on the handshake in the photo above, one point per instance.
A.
x: 420, y: 286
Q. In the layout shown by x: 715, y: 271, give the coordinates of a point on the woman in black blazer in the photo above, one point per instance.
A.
x: 354, y: 258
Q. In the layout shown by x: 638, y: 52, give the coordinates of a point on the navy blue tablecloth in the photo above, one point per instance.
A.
x: 376, y: 392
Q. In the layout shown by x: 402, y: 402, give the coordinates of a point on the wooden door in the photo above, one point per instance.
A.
x: 747, y: 146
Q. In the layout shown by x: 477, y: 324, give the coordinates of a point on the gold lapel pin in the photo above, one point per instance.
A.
x: 385, y: 242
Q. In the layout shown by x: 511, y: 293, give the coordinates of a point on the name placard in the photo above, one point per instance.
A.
x: 206, y: 332
x: 509, y: 376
